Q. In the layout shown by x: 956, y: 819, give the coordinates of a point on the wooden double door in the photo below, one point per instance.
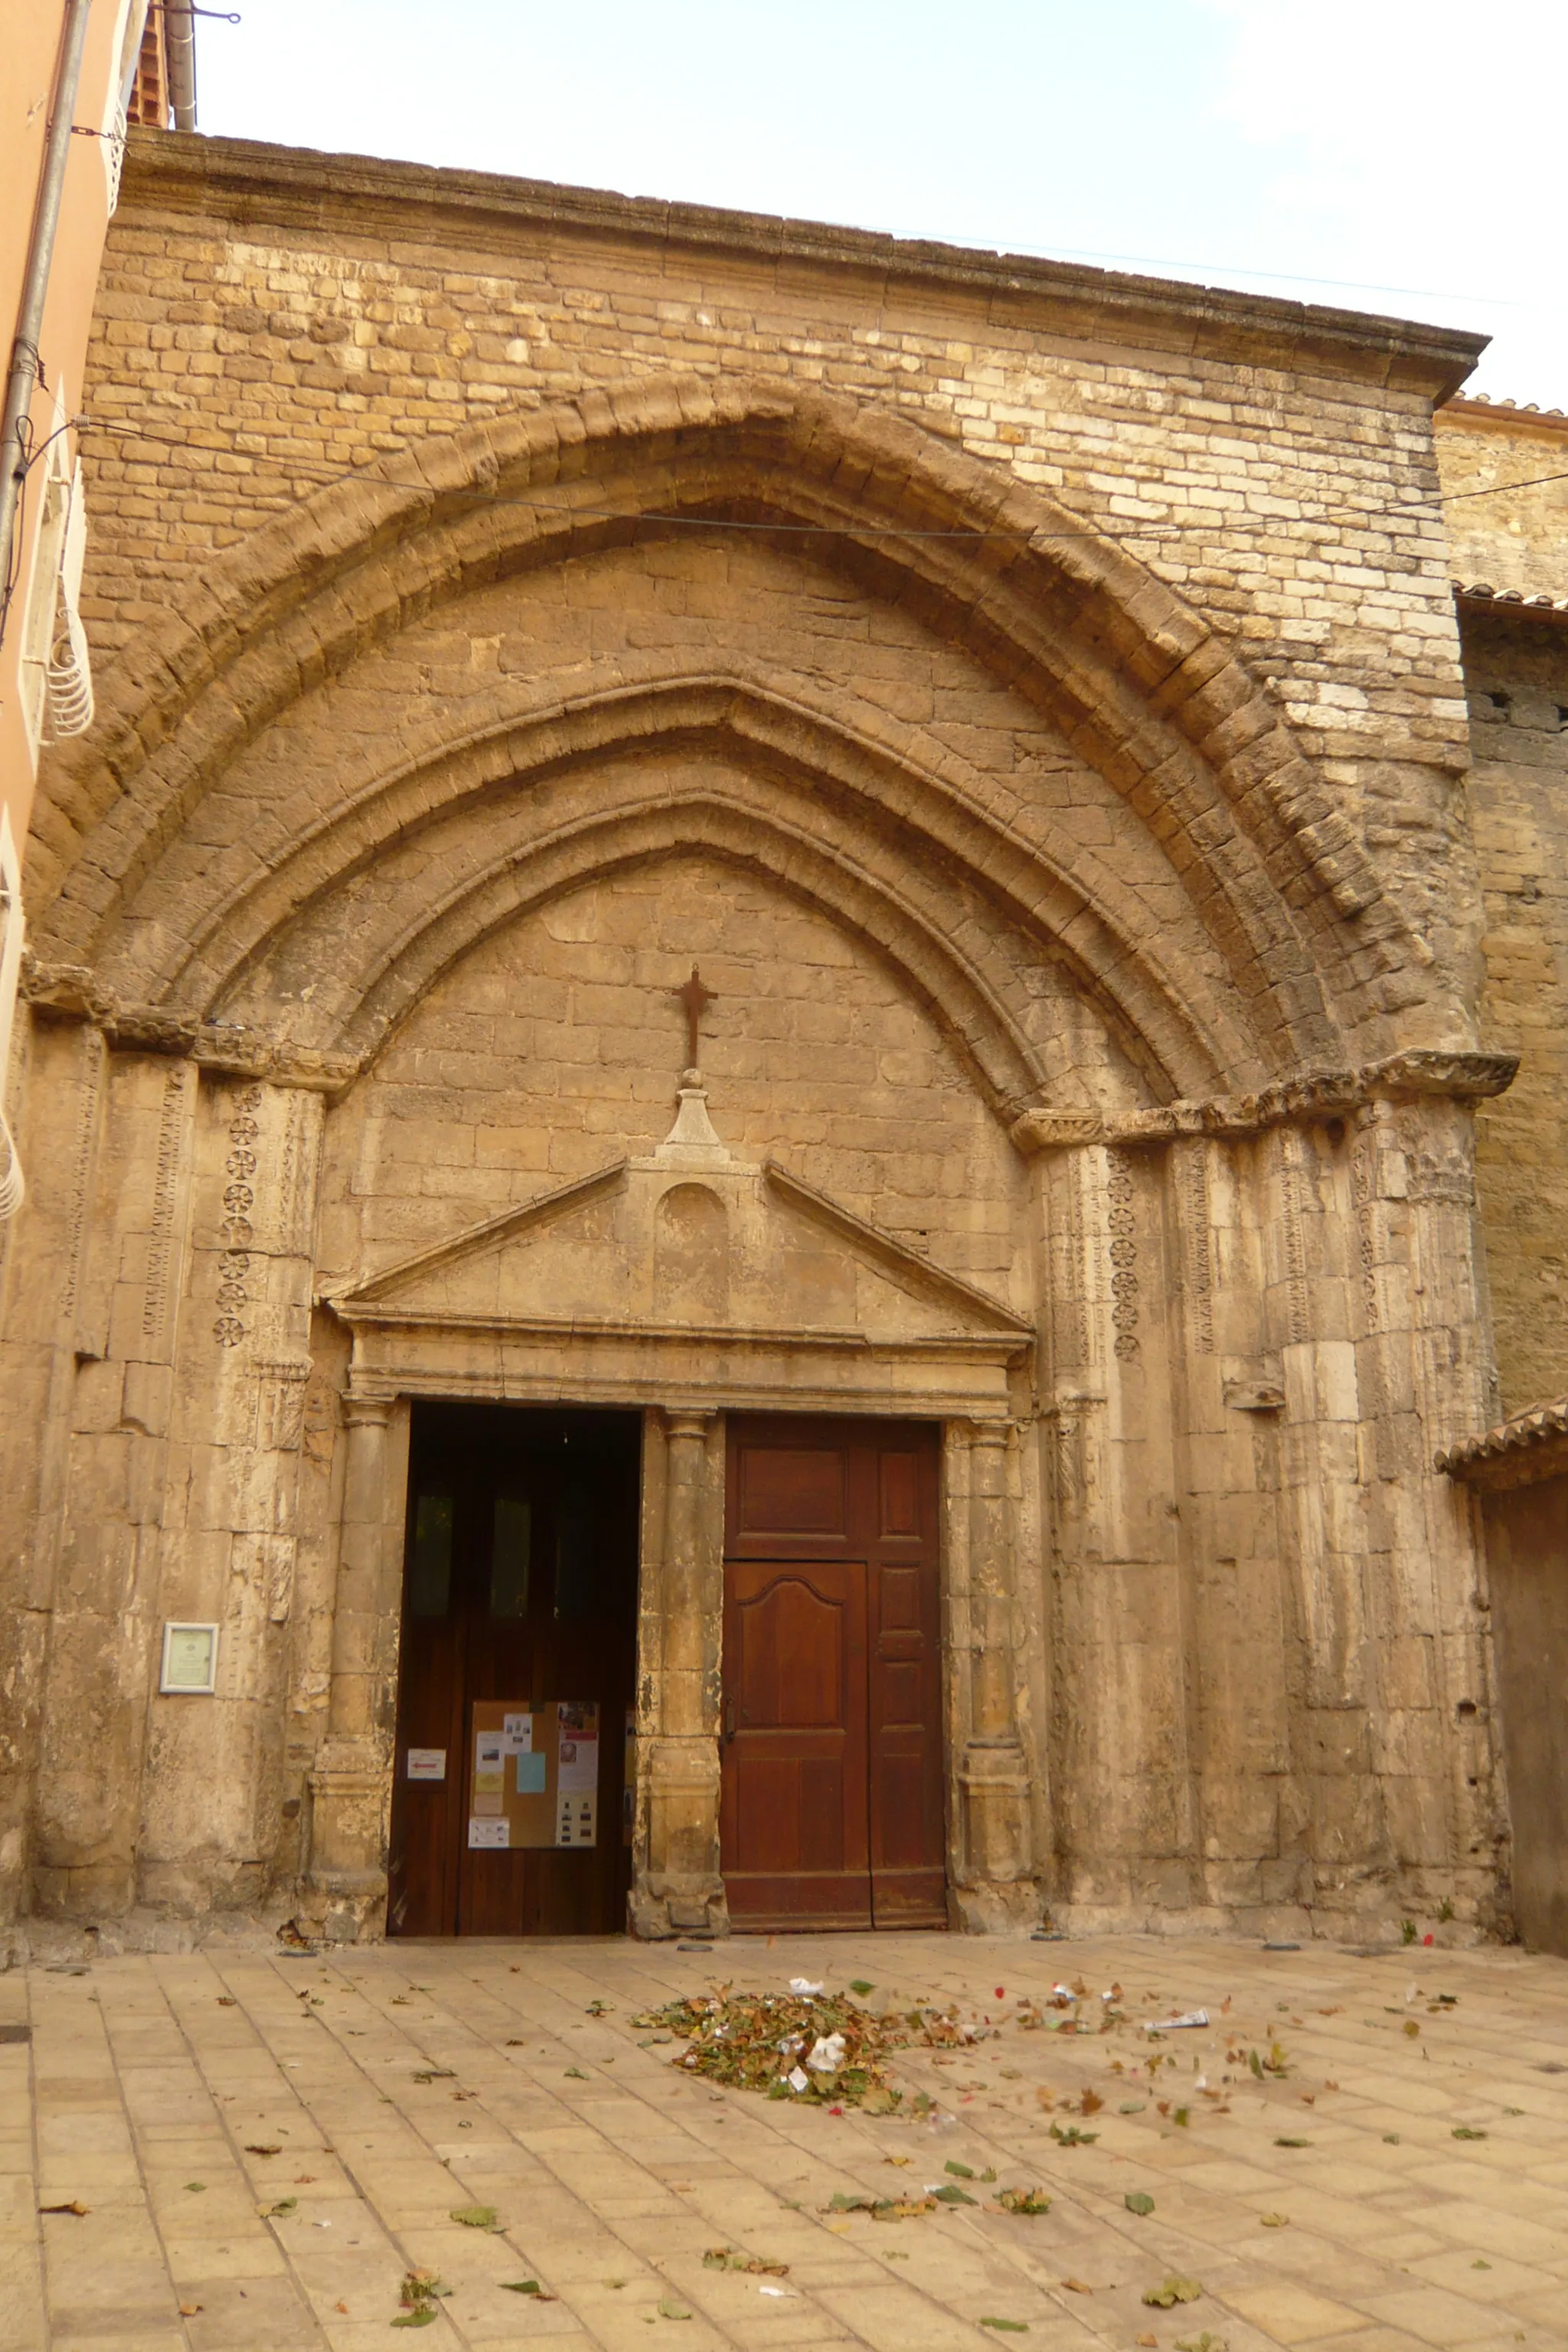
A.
x: 520, y: 1589
x: 832, y: 1812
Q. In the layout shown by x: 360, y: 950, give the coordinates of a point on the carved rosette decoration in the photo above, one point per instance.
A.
x: 236, y: 1228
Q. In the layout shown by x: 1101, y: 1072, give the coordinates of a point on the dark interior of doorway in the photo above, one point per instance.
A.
x: 520, y: 1585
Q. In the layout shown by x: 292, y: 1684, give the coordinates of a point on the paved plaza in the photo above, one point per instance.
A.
x: 267, y: 2145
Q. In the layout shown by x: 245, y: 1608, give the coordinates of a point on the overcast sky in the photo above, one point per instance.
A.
x: 1406, y: 156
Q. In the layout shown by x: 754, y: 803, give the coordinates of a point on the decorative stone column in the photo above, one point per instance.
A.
x: 351, y: 1783
x: 678, y: 1886
x: 997, y: 1887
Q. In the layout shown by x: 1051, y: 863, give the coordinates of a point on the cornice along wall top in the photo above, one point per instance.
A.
x: 251, y: 182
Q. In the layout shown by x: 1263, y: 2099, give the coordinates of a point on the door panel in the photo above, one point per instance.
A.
x: 793, y: 1815
x: 833, y: 1779
x: 521, y: 1585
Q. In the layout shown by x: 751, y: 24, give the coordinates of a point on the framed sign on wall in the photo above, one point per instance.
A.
x: 189, y: 1659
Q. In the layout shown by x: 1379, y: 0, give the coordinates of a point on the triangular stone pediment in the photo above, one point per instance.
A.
x: 690, y: 1240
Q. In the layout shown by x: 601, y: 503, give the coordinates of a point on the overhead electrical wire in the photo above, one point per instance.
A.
x: 297, y: 471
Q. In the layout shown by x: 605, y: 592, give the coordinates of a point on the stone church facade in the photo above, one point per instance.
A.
x: 1032, y: 698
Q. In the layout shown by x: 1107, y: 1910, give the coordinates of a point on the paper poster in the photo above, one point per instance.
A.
x: 490, y: 1769
x: 491, y: 1833
x: 517, y: 1735
x: 530, y: 1774
x: 426, y: 1763
x: 576, y: 1819
x: 579, y: 1767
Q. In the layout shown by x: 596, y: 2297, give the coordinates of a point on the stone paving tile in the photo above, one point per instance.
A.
x: 398, y: 2084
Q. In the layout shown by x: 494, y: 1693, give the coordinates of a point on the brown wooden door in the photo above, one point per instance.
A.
x: 832, y: 1799
x: 795, y: 1826
x: 520, y: 1585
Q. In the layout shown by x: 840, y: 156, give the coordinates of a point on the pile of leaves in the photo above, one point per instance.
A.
x: 763, y: 2042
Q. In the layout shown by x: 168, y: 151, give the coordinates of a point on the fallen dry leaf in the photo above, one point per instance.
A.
x: 1145, y: 2341
x: 255, y: 2148
x: 189, y: 2310
x: 74, y: 2206
x: 343, y: 2307
x: 224, y: 2000
x: 1078, y: 2286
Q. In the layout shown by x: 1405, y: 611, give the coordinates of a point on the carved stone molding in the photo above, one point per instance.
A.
x: 71, y: 992
x: 1425, y: 1072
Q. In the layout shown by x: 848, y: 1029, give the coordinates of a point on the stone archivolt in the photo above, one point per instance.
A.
x: 1082, y: 911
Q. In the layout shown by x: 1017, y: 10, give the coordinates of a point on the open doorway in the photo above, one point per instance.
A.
x: 516, y: 1672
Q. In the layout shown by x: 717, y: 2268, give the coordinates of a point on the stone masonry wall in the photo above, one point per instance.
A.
x: 1259, y: 457
x: 1505, y: 476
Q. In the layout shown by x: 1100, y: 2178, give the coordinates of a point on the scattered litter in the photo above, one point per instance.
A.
x: 1174, y: 2289
x: 827, y: 2055
x: 418, y: 2296
x: 1138, y: 2201
x: 255, y: 2148
x: 475, y: 2217
x: 323, y: 2225
x: 797, y: 2079
x: 776, y: 2290
x: 189, y: 2310
x: 1078, y: 2286
x: 804, y: 1985
x: 75, y: 2206
x: 884, y: 2209
x: 1198, y: 2017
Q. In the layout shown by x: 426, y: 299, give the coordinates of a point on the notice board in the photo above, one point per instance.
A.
x: 535, y: 1773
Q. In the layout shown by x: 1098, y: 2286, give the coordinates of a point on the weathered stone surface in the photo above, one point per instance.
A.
x: 1035, y: 699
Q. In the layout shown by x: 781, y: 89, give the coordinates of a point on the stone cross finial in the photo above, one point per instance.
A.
x: 695, y: 1000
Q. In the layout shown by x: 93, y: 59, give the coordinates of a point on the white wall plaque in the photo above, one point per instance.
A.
x: 426, y: 1763
x: 483, y: 1832
x: 190, y: 1658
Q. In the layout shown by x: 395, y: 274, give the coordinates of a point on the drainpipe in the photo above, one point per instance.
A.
x: 180, y: 41
x: 24, y: 371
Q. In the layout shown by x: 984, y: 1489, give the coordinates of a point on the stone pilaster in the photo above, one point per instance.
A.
x: 351, y: 1784
x: 995, y: 1887
x: 677, y: 1882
